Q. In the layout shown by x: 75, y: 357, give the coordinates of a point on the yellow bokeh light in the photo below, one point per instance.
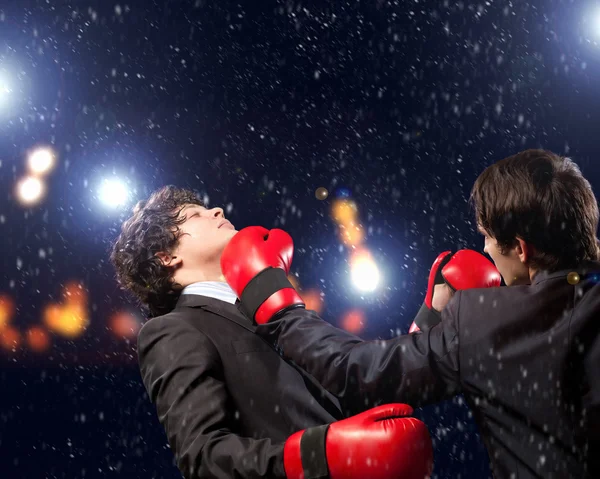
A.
x: 7, y: 309
x: 70, y: 320
x: 344, y: 211
x: 351, y: 234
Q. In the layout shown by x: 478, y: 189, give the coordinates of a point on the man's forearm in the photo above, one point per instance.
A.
x: 415, y: 369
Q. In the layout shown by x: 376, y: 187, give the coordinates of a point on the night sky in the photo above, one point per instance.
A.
x: 395, y: 105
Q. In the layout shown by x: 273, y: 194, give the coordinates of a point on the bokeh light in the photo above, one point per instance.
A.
x: 38, y: 339
x: 71, y: 318
x: 351, y: 234
x: 124, y: 325
x: 344, y: 211
x: 30, y: 190
x: 69, y: 321
x: 113, y: 193
x: 313, y: 300
x: 7, y: 310
x: 321, y: 193
x: 5, y: 90
x: 10, y: 338
x: 365, y: 273
x: 354, y: 321
x: 75, y: 293
x: 41, y: 161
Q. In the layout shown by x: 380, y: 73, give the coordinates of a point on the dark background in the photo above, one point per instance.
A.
x: 256, y: 105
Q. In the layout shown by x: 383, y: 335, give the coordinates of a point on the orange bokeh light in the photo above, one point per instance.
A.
x: 10, y: 338
x: 313, y: 300
x: 354, y: 321
x: 124, y: 325
x: 74, y: 292
x: 38, y: 339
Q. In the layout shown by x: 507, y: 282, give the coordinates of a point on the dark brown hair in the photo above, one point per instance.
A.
x: 153, y: 228
x: 543, y: 199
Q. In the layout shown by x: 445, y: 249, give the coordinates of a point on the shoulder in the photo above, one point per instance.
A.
x: 492, y: 298
x: 172, y: 331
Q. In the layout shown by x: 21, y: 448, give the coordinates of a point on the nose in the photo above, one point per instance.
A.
x: 216, y: 212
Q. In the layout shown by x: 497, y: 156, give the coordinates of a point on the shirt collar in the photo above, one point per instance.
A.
x: 212, y: 289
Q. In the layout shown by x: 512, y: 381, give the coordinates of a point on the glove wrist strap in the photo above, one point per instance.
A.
x: 262, y: 287
x: 427, y: 318
x: 313, y: 453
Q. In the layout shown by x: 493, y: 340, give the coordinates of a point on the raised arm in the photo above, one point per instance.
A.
x: 418, y: 368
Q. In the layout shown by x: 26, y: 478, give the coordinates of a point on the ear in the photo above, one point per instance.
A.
x: 524, y: 250
x: 168, y: 260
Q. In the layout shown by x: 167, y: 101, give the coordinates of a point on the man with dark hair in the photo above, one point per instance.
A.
x: 526, y: 357
x: 231, y: 406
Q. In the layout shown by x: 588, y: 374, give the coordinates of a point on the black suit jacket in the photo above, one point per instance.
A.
x: 527, y: 359
x: 226, y: 398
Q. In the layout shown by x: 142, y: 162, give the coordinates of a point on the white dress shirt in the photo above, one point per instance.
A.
x: 212, y: 289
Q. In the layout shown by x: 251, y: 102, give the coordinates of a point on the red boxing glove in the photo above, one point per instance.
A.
x: 381, y: 443
x: 466, y: 269
x: 255, y: 263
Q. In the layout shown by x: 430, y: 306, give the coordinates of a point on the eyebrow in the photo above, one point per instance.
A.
x: 189, y: 206
x: 183, y: 211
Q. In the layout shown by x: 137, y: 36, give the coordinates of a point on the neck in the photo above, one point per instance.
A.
x: 532, y: 273
x: 206, y: 273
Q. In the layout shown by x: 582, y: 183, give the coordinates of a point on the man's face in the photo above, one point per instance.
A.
x: 204, y: 235
x: 510, y: 265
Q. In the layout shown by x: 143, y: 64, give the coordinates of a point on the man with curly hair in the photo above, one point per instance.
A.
x: 230, y: 404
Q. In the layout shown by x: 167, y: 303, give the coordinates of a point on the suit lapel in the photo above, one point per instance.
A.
x: 231, y: 312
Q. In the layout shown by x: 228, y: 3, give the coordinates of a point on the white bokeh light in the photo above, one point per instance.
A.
x: 30, y: 190
x: 113, y: 193
x: 365, y: 273
x: 591, y: 25
x: 5, y: 90
x: 41, y: 161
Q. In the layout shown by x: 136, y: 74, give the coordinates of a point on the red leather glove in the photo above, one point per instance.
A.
x: 466, y: 269
x: 381, y: 443
x: 255, y: 263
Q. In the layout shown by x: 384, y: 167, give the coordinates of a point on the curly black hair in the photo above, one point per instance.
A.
x: 153, y: 228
